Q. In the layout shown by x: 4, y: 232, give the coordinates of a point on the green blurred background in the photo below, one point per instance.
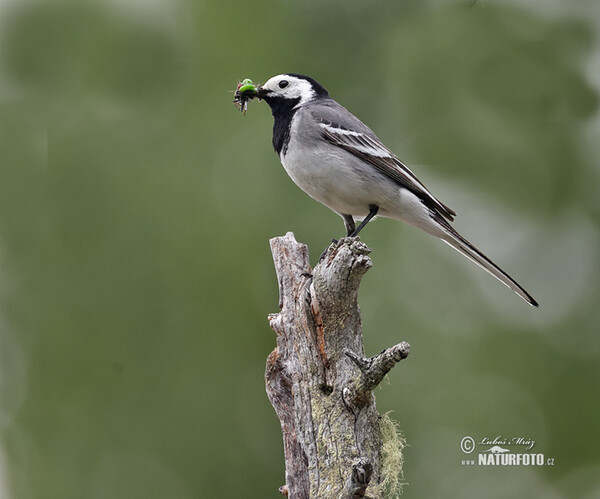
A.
x: 136, y: 206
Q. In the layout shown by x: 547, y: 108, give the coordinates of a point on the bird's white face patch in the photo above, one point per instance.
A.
x: 290, y: 87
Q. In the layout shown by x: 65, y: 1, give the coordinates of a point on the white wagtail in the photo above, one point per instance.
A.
x: 337, y: 160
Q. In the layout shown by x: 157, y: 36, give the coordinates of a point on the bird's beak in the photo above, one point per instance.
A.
x: 262, y: 92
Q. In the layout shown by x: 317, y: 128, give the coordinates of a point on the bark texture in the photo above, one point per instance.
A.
x: 318, y: 379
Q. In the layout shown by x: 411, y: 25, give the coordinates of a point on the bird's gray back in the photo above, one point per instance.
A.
x: 329, y: 111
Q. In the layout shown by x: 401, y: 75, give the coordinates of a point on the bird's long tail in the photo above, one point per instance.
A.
x: 460, y: 244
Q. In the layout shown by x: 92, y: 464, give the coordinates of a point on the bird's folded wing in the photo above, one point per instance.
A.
x: 371, y: 150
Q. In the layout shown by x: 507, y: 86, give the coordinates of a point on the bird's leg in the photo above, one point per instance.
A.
x: 373, y: 209
x: 349, y: 223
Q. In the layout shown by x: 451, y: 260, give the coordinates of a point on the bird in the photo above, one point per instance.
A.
x: 339, y: 161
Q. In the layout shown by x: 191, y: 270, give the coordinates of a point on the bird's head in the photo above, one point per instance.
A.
x: 284, y: 91
x: 291, y: 87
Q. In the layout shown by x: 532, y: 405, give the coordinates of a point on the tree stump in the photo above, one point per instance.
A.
x: 318, y: 379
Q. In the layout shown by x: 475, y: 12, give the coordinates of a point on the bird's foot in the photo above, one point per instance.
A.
x: 334, y: 243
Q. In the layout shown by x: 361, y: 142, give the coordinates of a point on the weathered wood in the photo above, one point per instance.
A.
x: 318, y: 379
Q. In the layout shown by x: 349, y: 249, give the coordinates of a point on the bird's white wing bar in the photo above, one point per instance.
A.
x: 370, y: 149
x: 358, y: 141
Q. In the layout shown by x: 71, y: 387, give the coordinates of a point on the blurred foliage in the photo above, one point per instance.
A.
x: 136, y: 205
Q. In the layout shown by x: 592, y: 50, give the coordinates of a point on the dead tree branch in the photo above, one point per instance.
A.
x: 318, y: 379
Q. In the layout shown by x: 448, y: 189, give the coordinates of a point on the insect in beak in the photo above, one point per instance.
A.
x: 244, y: 92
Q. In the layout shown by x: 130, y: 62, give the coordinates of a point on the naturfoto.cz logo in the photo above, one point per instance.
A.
x: 497, y: 453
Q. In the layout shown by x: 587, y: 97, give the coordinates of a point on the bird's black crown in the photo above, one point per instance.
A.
x: 317, y: 87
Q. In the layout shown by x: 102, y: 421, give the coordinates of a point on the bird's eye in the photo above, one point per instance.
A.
x: 283, y: 83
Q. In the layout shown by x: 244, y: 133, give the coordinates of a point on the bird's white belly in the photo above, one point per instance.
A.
x: 349, y: 186
x: 329, y: 181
